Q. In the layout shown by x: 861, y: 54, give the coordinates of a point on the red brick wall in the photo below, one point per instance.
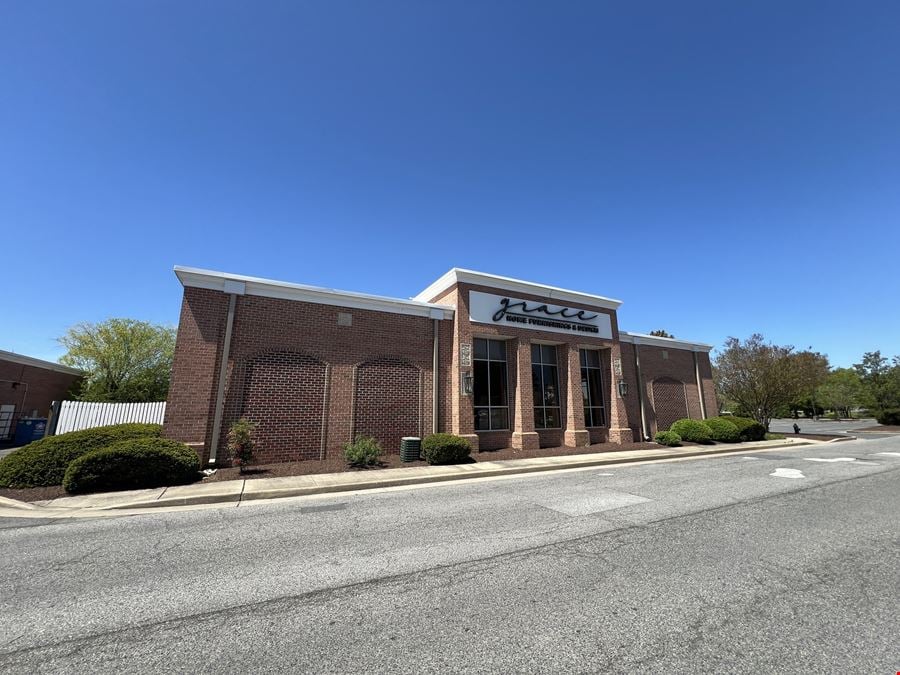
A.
x: 677, y: 365
x: 309, y: 333
x: 201, y: 329
x: 388, y: 402
x: 312, y: 384
x: 283, y: 395
x: 44, y: 387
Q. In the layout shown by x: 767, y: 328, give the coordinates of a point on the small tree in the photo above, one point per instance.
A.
x: 842, y: 390
x: 124, y: 360
x: 240, y: 443
x: 880, y: 380
x: 763, y: 378
x: 661, y: 333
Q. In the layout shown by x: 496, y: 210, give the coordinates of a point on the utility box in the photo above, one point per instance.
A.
x: 410, y: 449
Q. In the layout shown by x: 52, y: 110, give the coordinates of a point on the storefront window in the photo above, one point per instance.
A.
x: 489, y: 388
x: 592, y: 388
x: 545, y: 385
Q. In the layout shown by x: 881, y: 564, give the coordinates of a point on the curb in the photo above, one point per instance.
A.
x: 16, y: 504
x: 279, y: 493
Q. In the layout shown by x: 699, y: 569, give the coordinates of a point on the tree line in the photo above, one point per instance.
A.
x: 763, y: 380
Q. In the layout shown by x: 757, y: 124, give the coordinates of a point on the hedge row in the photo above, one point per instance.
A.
x: 445, y: 449
x: 44, y: 462
x: 132, y: 465
x: 726, y: 429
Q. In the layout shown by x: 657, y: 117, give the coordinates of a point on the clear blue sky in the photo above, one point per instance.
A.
x: 722, y: 167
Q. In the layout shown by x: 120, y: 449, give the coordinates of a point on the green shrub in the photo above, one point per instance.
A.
x: 669, y: 438
x: 364, y: 451
x: 889, y: 417
x: 44, y: 462
x: 445, y: 449
x: 240, y: 443
x: 131, y: 465
x: 692, y: 431
x: 749, y: 430
x: 723, y: 430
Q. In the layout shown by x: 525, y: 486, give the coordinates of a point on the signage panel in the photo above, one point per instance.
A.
x: 514, y: 312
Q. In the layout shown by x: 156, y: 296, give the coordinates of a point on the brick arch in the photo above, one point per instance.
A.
x: 284, y: 395
x: 669, y: 401
x: 387, y: 401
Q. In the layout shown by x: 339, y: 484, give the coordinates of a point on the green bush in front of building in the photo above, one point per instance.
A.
x: 132, y: 465
x: 692, y: 431
x: 748, y: 430
x: 445, y: 449
x: 722, y: 429
x: 362, y: 452
x: 44, y: 462
x: 669, y: 438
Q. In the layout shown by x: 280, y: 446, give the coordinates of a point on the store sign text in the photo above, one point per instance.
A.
x: 489, y: 308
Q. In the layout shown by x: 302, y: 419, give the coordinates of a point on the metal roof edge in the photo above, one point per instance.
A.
x: 219, y: 281
x: 657, y: 341
x: 459, y: 275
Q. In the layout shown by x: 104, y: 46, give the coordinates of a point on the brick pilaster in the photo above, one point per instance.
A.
x: 524, y: 437
x: 619, y: 431
x: 576, y: 434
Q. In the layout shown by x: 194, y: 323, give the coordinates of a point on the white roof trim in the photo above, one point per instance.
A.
x: 656, y: 341
x: 457, y: 275
x: 231, y: 283
x: 38, y: 363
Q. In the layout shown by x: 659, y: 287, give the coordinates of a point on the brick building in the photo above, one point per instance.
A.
x: 28, y: 386
x: 503, y: 362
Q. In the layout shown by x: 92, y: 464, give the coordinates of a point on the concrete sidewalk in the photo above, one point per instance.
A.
x: 235, y: 491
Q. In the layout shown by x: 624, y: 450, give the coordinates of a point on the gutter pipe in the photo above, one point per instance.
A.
x: 233, y: 289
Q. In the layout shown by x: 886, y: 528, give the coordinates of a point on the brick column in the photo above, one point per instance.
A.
x: 524, y: 437
x: 619, y: 431
x: 576, y: 435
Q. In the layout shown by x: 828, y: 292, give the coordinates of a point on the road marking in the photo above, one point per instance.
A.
x: 892, y: 454
x: 787, y: 473
x: 752, y: 457
x: 832, y: 459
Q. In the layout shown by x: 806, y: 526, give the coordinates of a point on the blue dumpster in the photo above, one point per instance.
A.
x: 30, y: 429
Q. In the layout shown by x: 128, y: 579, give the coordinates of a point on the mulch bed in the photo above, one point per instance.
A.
x: 339, y: 464
x: 34, y: 494
x: 892, y: 428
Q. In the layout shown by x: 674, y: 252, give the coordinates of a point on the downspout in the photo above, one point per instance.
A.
x: 699, y: 386
x: 640, y: 388
x: 233, y: 288
x: 435, y: 380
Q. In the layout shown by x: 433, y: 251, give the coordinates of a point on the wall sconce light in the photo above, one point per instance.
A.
x: 623, y: 388
x: 468, y: 382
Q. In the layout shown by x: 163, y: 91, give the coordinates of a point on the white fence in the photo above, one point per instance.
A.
x: 75, y: 415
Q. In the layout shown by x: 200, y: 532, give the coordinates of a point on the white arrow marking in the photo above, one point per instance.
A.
x: 787, y: 473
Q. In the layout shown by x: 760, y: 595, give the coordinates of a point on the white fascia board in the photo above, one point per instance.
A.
x: 269, y: 288
x: 457, y: 275
x: 38, y: 363
x: 656, y: 341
